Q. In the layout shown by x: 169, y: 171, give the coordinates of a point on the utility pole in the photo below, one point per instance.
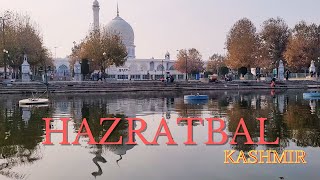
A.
x: 55, y: 52
x: 186, y: 67
x: 46, y: 78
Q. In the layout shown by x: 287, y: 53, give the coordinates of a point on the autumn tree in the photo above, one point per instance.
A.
x: 274, y: 38
x: 303, y: 46
x: 263, y: 59
x: 216, y: 64
x: 102, y: 49
x: 189, y: 61
x: 23, y: 37
x: 242, y: 45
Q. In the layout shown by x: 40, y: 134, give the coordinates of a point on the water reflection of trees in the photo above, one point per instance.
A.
x: 253, y: 106
x: 242, y: 107
x: 304, y: 126
x: 289, y: 118
x: 185, y: 109
x: 19, y: 138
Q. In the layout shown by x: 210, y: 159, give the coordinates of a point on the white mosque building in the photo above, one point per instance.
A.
x: 135, y: 69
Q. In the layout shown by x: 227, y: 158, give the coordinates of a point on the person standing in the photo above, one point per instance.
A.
x: 274, y: 72
x: 100, y: 76
x: 287, y: 74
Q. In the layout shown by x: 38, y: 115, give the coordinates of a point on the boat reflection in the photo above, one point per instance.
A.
x: 33, y: 106
x: 196, y: 101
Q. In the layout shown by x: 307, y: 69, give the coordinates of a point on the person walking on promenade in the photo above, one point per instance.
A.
x: 287, y: 74
x: 273, y: 82
x: 100, y: 76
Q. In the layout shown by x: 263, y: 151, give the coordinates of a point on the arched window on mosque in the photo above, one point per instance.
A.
x: 63, y: 70
x: 172, y: 68
x: 160, y: 68
x: 151, y: 66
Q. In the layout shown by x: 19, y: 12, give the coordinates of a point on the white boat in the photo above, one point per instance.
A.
x: 33, y: 101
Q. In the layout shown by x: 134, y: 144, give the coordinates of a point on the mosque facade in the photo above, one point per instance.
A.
x: 135, y: 68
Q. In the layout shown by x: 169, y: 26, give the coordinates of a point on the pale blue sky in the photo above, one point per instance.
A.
x: 159, y: 25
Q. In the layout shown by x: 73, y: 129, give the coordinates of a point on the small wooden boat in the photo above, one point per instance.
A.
x: 33, y: 101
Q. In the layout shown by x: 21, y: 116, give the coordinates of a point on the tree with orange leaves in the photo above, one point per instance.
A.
x: 189, y: 61
x: 242, y: 45
x: 303, y: 46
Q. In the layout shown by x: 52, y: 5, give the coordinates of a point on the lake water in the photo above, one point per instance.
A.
x: 291, y: 118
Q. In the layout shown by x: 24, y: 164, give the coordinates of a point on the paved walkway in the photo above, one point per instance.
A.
x: 132, y: 86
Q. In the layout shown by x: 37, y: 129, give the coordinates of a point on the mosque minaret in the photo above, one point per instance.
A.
x: 96, y: 9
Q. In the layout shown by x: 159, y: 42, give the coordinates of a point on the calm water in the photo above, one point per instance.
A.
x: 295, y: 120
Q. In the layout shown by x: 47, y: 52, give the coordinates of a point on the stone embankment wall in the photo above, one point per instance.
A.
x: 102, y: 87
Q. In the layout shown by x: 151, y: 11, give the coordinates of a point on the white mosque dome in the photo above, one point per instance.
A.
x: 123, y: 29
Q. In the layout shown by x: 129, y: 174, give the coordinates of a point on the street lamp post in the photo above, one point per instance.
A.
x: 104, y: 55
x: 46, y: 77
x: 55, y: 52
x: 186, y: 67
x: 162, y: 68
x: 4, y: 45
x: 318, y: 60
x: 5, y: 56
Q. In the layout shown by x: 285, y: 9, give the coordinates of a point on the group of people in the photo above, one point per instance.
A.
x: 313, y: 74
x: 169, y: 79
x: 273, y: 81
x: 97, y: 76
x: 227, y: 77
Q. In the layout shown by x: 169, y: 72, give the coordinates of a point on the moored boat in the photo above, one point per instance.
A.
x: 33, y: 101
x: 311, y: 94
x: 196, y: 99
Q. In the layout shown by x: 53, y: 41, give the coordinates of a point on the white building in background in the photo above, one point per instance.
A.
x: 62, y: 69
x: 135, y: 69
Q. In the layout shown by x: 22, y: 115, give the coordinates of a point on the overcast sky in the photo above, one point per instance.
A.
x: 159, y: 25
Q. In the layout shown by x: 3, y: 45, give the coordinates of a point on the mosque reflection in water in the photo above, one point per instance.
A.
x: 290, y: 118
